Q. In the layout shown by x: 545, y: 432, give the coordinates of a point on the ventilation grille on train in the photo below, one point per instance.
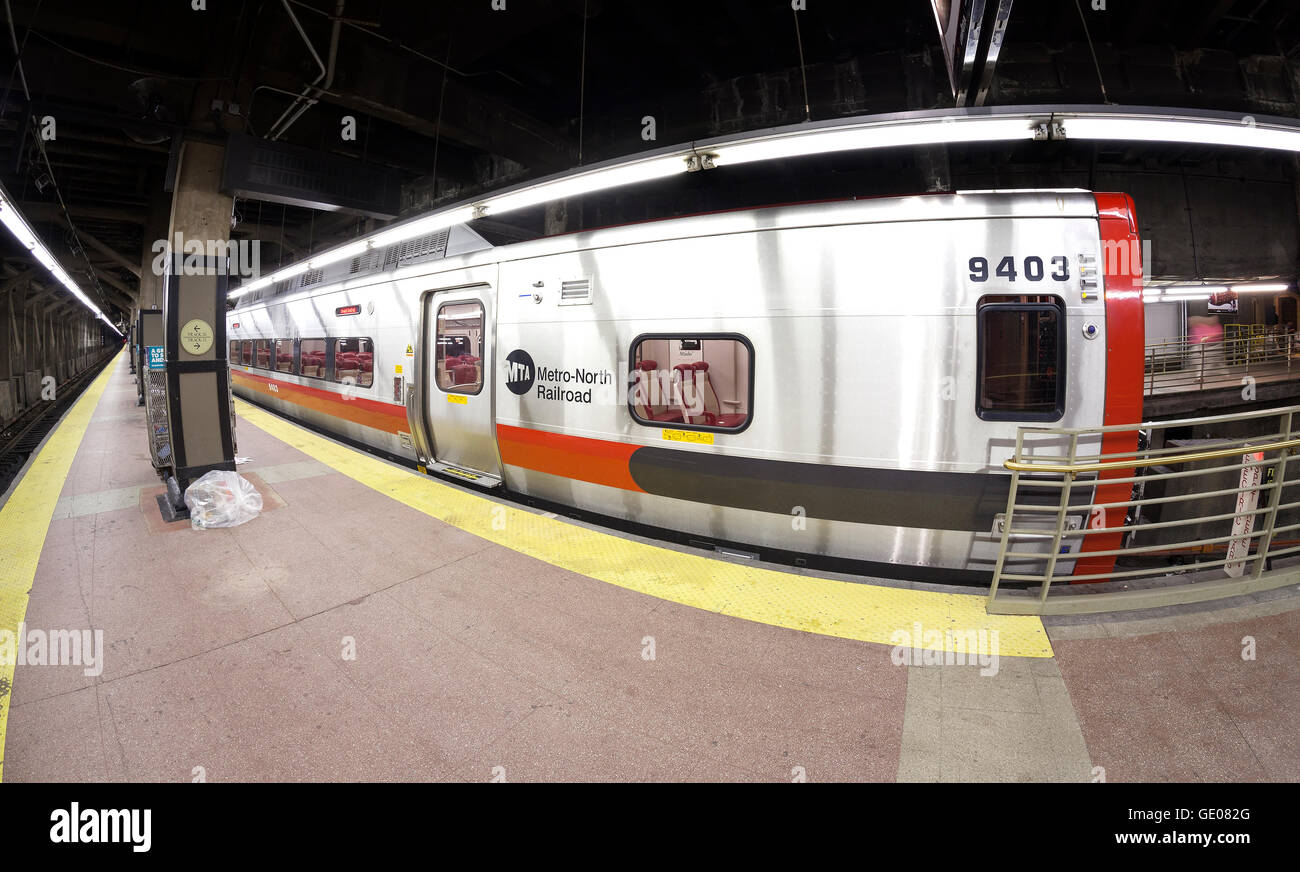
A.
x: 575, y: 292
x: 429, y: 245
x: 366, y: 262
x: 452, y: 241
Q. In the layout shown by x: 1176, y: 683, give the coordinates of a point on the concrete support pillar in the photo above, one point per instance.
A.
x: 194, y: 324
x: 157, y: 220
x: 562, y: 216
x: 198, y: 209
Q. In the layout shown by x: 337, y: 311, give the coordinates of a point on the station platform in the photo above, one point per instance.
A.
x: 377, y: 624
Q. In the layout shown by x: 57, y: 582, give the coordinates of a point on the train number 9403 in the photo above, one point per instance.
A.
x: 1031, y: 269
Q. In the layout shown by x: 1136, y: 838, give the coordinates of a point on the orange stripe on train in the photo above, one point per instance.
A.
x: 388, y: 417
x: 598, y: 461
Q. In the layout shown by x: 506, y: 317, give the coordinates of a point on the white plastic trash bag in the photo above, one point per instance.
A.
x: 222, y: 499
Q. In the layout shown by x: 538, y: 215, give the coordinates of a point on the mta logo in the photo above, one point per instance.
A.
x: 520, y: 371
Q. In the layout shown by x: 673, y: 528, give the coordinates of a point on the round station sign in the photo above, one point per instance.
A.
x: 196, y: 336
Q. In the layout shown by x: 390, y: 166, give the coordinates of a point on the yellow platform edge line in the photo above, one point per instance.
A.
x: 25, y: 520
x: 947, y: 622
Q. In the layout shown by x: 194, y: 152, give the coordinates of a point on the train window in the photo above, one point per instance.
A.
x: 354, y: 362
x: 1021, y: 359
x: 459, y: 348
x: 698, y: 382
x: 246, y: 357
x: 234, y: 352
x: 262, y: 353
x: 311, y: 354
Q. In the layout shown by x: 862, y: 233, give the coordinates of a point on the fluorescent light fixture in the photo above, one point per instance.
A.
x: 382, y: 239
x: 421, y: 226
x: 1174, y: 129
x: 1181, y: 293
x: 946, y: 128
x: 586, y: 183
x: 927, y: 131
x: 14, y: 221
x: 1262, y: 288
x: 1188, y: 289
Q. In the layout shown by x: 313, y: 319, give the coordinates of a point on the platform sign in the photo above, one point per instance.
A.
x: 1244, y: 524
x: 157, y: 358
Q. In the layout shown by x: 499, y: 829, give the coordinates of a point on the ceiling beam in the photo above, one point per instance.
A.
x: 124, y: 294
x: 38, y: 211
x: 16, y: 279
x: 37, y: 292
x: 110, y: 253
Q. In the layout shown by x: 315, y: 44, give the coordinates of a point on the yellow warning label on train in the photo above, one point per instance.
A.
x: 688, y: 436
x: 458, y: 399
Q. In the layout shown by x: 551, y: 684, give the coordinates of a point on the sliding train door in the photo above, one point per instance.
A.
x: 458, y: 383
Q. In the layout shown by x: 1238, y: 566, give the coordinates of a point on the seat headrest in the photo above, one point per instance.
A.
x: 648, y: 365
x: 701, y: 365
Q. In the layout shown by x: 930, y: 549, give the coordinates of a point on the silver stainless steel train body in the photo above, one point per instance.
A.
x: 861, y: 317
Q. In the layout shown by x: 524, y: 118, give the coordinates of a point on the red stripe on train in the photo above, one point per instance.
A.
x: 388, y: 417
x: 598, y: 461
x: 1125, y: 339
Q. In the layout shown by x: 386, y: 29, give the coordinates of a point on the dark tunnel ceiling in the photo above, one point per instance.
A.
x: 122, y: 77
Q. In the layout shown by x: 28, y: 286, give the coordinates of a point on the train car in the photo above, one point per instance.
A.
x: 837, y: 380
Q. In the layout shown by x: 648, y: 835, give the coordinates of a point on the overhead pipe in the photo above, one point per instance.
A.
x: 305, y: 102
x: 311, y: 48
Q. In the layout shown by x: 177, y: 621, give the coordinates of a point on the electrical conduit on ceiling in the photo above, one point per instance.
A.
x: 303, y: 101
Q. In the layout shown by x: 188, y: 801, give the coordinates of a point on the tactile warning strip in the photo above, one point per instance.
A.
x: 25, y: 519
x: 948, y: 622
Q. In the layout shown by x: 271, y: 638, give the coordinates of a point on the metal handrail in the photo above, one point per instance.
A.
x: 1144, y: 516
x: 1174, y: 364
x: 1038, y: 430
x: 1163, y: 460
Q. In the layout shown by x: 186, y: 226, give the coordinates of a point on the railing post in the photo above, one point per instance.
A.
x: 1062, y: 512
x: 1006, y: 519
x: 1274, y: 500
x: 1200, y: 381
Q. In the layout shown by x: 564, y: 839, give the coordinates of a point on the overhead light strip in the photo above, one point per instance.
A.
x: 17, y: 225
x: 1243, y: 133
x: 911, y: 129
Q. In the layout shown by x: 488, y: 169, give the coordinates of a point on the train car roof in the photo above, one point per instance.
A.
x: 960, y: 205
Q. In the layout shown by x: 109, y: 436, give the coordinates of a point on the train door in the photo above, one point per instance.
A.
x: 457, y: 361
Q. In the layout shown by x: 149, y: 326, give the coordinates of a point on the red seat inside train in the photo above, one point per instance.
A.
x: 463, y: 374
x: 712, y: 414
x: 650, y: 396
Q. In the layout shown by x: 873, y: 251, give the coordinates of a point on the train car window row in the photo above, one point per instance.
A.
x: 698, y: 382
x: 1020, y: 371
x: 354, y: 362
x: 458, y: 354
x: 311, y: 358
x: 354, y: 358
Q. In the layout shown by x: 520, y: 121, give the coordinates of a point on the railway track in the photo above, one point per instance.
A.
x: 22, y: 436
